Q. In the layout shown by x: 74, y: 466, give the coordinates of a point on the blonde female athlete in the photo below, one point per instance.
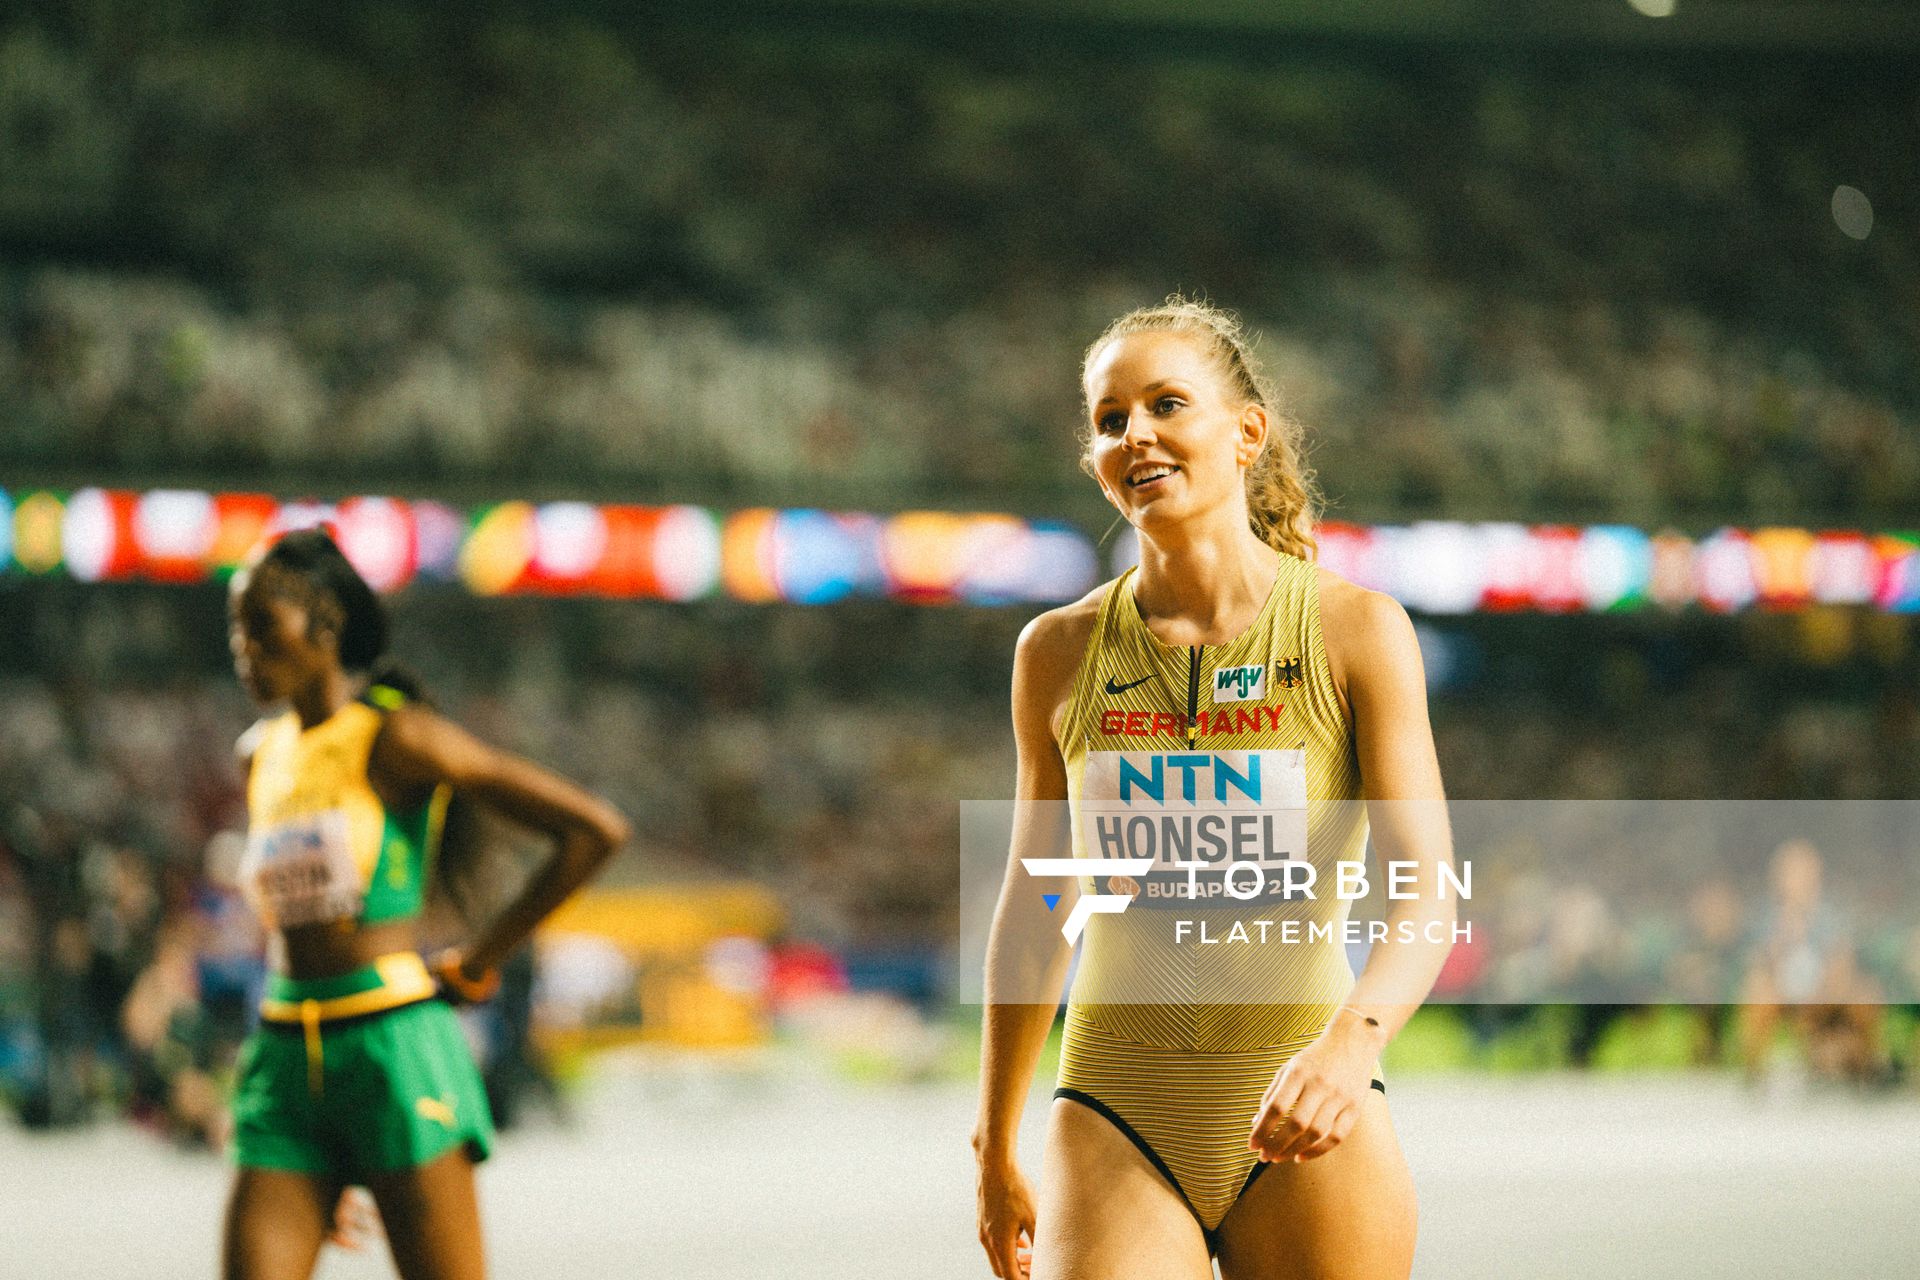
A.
x: 1226, y: 700
x: 359, y: 1074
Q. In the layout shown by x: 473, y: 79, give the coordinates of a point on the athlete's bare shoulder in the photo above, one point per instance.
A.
x: 1348, y: 607
x: 248, y: 743
x: 1058, y: 637
x: 1048, y: 654
x: 1362, y: 629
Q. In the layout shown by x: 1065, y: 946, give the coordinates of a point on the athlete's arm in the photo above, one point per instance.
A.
x: 1377, y: 669
x: 1027, y: 956
x: 417, y: 747
x: 1386, y: 688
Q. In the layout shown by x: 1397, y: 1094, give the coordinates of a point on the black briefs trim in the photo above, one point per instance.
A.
x: 1210, y: 1234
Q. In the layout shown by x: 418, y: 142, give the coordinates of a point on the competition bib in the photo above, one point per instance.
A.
x: 302, y: 871
x: 1240, y: 815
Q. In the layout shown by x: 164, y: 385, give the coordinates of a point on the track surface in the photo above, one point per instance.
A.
x: 681, y: 1168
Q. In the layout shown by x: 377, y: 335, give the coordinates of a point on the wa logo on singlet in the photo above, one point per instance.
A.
x: 1240, y: 684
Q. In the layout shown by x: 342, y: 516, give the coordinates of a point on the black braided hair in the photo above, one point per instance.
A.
x: 339, y: 598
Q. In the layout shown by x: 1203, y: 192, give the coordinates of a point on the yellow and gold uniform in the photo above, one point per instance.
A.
x: 1187, y: 1003
x: 321, y: 846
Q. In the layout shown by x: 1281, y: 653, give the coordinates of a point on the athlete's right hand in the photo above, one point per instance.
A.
x: 1006, y: 1219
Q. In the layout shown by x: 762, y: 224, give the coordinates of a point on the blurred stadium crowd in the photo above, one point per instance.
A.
x: 823, y: 753
x: 1537, y: 286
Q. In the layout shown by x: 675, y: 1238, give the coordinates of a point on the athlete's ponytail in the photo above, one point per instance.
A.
x: 1283, y: 504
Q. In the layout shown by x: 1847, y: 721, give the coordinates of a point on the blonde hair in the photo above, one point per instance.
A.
x: 1283, y: 503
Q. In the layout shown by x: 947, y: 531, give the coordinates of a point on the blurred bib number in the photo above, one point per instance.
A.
x: 1216, y: 808
x: 302, y: 871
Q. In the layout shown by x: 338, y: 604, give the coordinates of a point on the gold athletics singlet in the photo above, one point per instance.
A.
x: 321, y: 845
x: 1235, y: 753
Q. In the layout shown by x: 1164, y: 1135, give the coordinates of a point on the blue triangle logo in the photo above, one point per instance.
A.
x: 1052, y: 900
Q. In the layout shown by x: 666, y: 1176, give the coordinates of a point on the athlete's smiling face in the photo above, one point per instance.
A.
x: 1172, y: 436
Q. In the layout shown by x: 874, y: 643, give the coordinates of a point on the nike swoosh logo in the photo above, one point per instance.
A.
x: 1122, y: 688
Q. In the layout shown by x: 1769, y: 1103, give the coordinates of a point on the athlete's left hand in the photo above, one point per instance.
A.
x: 1314, y: 1101
x: 457, y: 986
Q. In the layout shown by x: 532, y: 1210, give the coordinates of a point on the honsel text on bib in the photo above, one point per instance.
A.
x: 1178, y: 808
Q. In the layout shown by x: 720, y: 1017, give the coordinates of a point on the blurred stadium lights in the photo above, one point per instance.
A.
x: 1458, y: 567
x: 816, y: 557
x: 677, y: 553
x: 765, y: 555
x: 1852, y: 212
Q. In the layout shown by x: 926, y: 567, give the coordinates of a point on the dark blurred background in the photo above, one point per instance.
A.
x: 1542, y: 263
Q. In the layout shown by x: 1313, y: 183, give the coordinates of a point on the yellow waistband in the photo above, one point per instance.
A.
x: 403, y: 980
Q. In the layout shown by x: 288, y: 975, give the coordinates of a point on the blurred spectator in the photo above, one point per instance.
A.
x: 1705, y: 967
x: 1802, y: 972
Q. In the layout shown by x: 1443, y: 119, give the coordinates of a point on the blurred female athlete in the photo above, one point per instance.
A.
x: 1228, y: 681
x: 358, y: 1074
